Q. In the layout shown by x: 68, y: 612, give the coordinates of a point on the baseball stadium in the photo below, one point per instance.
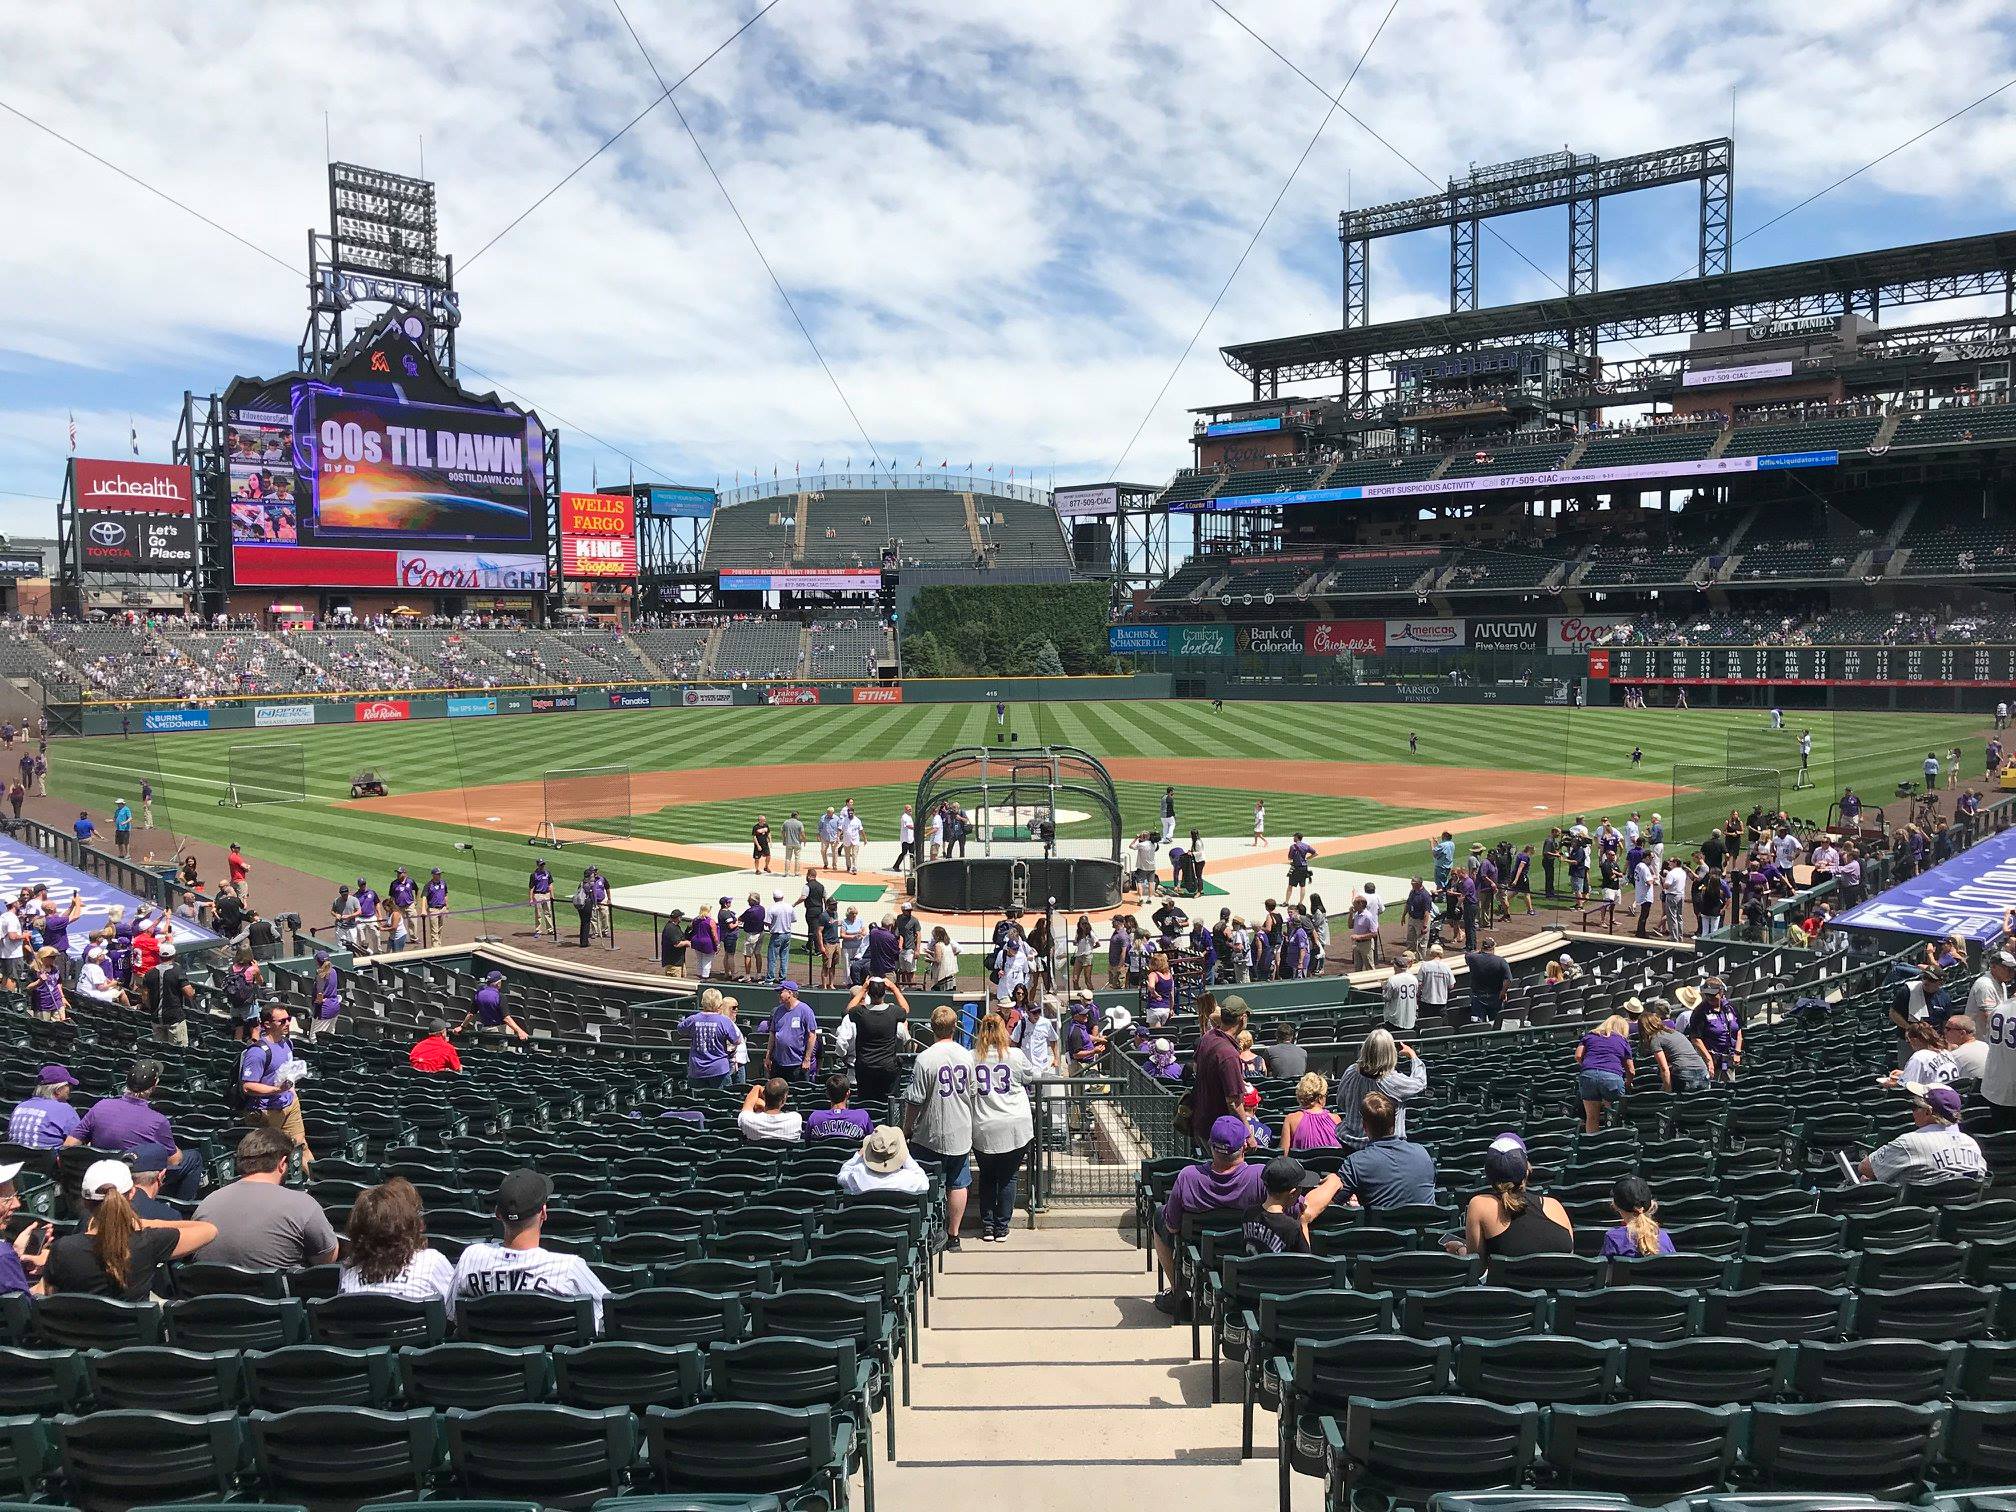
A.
x: 1456, y: 950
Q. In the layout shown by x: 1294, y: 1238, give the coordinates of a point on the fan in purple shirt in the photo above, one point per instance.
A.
x: 838, y: 1121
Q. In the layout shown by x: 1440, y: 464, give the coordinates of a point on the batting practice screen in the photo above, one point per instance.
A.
x: 1704, y: 794
x: 276, y: 772
x: 596, y: 798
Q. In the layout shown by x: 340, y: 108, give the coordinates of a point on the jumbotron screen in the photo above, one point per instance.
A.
x: 332, y: 487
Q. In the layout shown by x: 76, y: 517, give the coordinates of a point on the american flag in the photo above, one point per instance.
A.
x: 73, y: 433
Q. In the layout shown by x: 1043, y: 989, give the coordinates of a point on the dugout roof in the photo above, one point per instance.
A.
x: 1864, y: 282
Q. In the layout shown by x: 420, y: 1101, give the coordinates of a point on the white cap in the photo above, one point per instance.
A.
x: 9, y: 1172
x: 1161, y: 1047
x: 776, y: 897
x: 167, y: 949
x: 102, y: 1176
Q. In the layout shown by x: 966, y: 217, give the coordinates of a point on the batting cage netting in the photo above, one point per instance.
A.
x: 596, y: 798
x: 1704, y: 794
x: 1803, y: 752
x: 275, y: 772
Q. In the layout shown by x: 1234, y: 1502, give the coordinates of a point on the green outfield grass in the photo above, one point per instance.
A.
x: 189, y: 771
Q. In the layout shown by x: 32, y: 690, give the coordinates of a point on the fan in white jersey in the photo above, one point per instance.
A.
x: 1934, y: 1150
x: 387, y: 1251
x: 519, y: 1264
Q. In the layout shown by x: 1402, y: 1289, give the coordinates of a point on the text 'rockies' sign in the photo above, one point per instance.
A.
x: 143, y: 542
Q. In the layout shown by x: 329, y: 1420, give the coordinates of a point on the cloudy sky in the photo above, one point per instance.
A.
x: 1001, y: 220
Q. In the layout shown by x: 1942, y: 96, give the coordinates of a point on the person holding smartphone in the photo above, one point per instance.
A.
x: 21, y: 1261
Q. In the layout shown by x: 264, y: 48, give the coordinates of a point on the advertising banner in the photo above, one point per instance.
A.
x: 1579, y: 633
x: 555, y: 703
x: 21, y: 564
x: 1347, y: 637
x: 1271, y: 640
x: 707, y: 698
x: 682, y: 503
x: 628, y: 698
x: 1243, y: 427
x: 790, y: 696
x: 1151, y: 640
x: 1201, y: 640
x: 142, y: 541
x: 381, y: 711
x: 1507, y: 634
x: 878, y: 695
x: 175, y: 719
x: 1542, y: 478
x: 268, y: 716
x: 131, y: 487
x: 1599, y: 665
x: 22, y: 866
x: 378, y: 466
x: 1749, y: 373
x: 1086, y: 501
x: 598, y: 536
x: 1969, y: 895
x: 471, y: 708
x: 1425, y: 635
x: 257, y: 566
x: 838, y: 580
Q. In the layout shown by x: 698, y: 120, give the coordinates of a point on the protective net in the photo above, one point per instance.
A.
x: 273, y: 772
x: 596, y: 798
x: 1704, y: 793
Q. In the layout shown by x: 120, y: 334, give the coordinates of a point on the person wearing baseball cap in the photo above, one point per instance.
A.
x: 1934, y: 1150
x: 1229, y: 1183
x: 1508, y: 1220
x: 487, y: 1011
x: 519, y: 1263
x: 434, y: 1052
x: 1294, y: 1197
x: 118, y: 1253
x: 792, y: 1053
x: 44, y: 1119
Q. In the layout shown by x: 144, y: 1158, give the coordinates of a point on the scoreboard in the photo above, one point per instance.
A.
x: 1818, y: 666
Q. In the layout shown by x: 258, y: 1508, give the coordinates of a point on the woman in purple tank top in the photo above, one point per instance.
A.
x: 45, y: 991
x: 1311, y: 1126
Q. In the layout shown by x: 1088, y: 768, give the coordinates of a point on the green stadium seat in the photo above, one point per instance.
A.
x: 27, y: 1455
x: 367, y: 1320
x: 41, y: 1381
x: 1891, y: 1370
x: 1473, y: 1312
x: 157, y: 1379
x: 618, y: 1373
x: 119, y: 1459
x: 1538, y: 1368
x: 337, y: 1458
x: 1413, y: 1447
x: 197, y: 1278
x: 1643, y: 1449
x: 1320, y: 1379
x: 786, y: 1372
x: 736, y: 1447
x: 468, y: 1375
x: 227, y: 1321
x: 75, y: 1321
x: 675, y: 1315
x: 515, y: 1320
x: 565, y: 1457
x: 320, y: 1375
x: 1874, y: 1448
x: 1778, y: 1314
x: 1650, y: 1313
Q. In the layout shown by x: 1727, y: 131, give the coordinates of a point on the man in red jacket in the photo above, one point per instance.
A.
x: 434, y: 1053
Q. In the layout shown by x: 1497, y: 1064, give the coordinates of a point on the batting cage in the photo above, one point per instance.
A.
x: 1803, y: 750
x: 596, y: 798
x: 1705, y: 792
x: 273, y: 772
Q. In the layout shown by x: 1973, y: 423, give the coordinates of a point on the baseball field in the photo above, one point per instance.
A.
x: 468, y: 794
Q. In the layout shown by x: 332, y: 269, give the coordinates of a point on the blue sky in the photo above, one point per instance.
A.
x: 1002, y: 221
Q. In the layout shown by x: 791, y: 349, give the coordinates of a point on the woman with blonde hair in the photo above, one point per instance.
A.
x: 1380, y: 1061
x: 387, y: 1251
x: 1002, y: 1123
x: 1639, y: 1233
x: 46, y: 1000
x: 118, y: 1254
x: 1249, y: 1058
x: 1604, y: 1069
x: 1311, y: 1126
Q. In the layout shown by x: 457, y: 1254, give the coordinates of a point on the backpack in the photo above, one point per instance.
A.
x: 240, y: 990
x: 582, y: 897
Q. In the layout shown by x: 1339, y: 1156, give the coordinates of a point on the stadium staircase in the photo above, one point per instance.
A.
x: 1441, y: 468
x: 801, y: 505
x: 1721, y: 441
x: 1900, y: 556
x: 646, y: 657
x: 805, y: 650
x: 1574, y: 457
x: 713, y: 650
x: 1880, y: 442
x: 973, y: 524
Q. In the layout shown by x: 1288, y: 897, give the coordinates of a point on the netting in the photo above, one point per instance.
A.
x: 1803, y: 751
x: 595, y: 798
x: 1704, y: 793
x: 276, y: 772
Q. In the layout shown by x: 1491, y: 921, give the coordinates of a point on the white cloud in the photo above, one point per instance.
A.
x: 1002, y: 221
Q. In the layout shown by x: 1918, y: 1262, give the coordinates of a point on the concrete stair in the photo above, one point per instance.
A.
x: 1046, y: 1359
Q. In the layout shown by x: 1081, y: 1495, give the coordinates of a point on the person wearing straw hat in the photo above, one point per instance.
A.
x: 883, y: 1164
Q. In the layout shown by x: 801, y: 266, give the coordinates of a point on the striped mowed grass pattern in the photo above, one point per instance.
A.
x: 189, y: 770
